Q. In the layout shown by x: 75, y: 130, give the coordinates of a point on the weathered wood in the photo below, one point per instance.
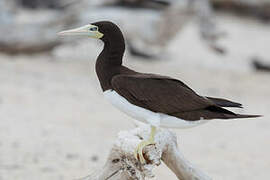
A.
x: 122, y: 165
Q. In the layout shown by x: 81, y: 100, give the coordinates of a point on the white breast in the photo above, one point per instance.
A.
x: 147, y: 116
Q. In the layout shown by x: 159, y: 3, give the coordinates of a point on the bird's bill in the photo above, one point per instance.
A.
x: 87, y: 30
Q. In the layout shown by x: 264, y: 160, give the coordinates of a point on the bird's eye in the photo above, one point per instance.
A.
x: 93, y: 29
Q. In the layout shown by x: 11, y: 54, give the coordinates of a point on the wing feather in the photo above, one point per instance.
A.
x: 159, y: 93
x: 170, y: 96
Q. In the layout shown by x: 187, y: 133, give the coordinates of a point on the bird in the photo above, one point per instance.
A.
x: 160, y: 101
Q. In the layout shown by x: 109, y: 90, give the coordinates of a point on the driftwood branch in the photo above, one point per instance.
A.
x: 122, y: 165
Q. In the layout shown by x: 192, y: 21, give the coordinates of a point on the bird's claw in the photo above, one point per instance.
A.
x: 139, y: 151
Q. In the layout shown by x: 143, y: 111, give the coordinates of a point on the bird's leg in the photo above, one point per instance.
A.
x: 139, y: 149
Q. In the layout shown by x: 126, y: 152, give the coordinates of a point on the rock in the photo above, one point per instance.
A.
x: 150, y: 4
x: 256, y: 8
x: 23, y: 34
x: 54, y: 4
x: 260, y: 65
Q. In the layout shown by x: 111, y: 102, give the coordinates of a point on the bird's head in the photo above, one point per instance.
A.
x: 103, y: 30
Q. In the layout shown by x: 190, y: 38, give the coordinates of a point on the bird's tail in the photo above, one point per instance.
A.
x: 226, y: 114
x: 247, y: 116
x: 224, y: 102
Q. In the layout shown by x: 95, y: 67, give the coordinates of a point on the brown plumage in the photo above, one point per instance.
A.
x: 169, y: 96
x: 154, y: 92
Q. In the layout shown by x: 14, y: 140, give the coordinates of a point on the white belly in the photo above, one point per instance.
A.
x: 147, y: 116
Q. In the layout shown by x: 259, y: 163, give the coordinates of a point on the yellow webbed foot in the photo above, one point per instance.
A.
x: 139, y: 149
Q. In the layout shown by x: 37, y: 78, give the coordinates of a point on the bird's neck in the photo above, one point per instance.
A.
x: 112, y: 52
x: 109, y: 61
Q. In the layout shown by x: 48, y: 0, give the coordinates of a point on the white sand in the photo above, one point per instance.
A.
x: 55, y: 124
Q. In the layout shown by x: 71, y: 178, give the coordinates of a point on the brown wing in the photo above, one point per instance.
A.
x: 159, y: 93
x: 169, y: 96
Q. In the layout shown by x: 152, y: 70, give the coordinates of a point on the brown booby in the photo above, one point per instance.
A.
x: 159, y: 100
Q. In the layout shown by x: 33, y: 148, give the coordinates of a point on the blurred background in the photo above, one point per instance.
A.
x: 54, y: 122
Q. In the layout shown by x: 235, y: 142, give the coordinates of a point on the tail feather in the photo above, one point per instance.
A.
x: 247, y: 116
x: 226, y: 114
x: 211, y: 112
x: 224, y: 102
